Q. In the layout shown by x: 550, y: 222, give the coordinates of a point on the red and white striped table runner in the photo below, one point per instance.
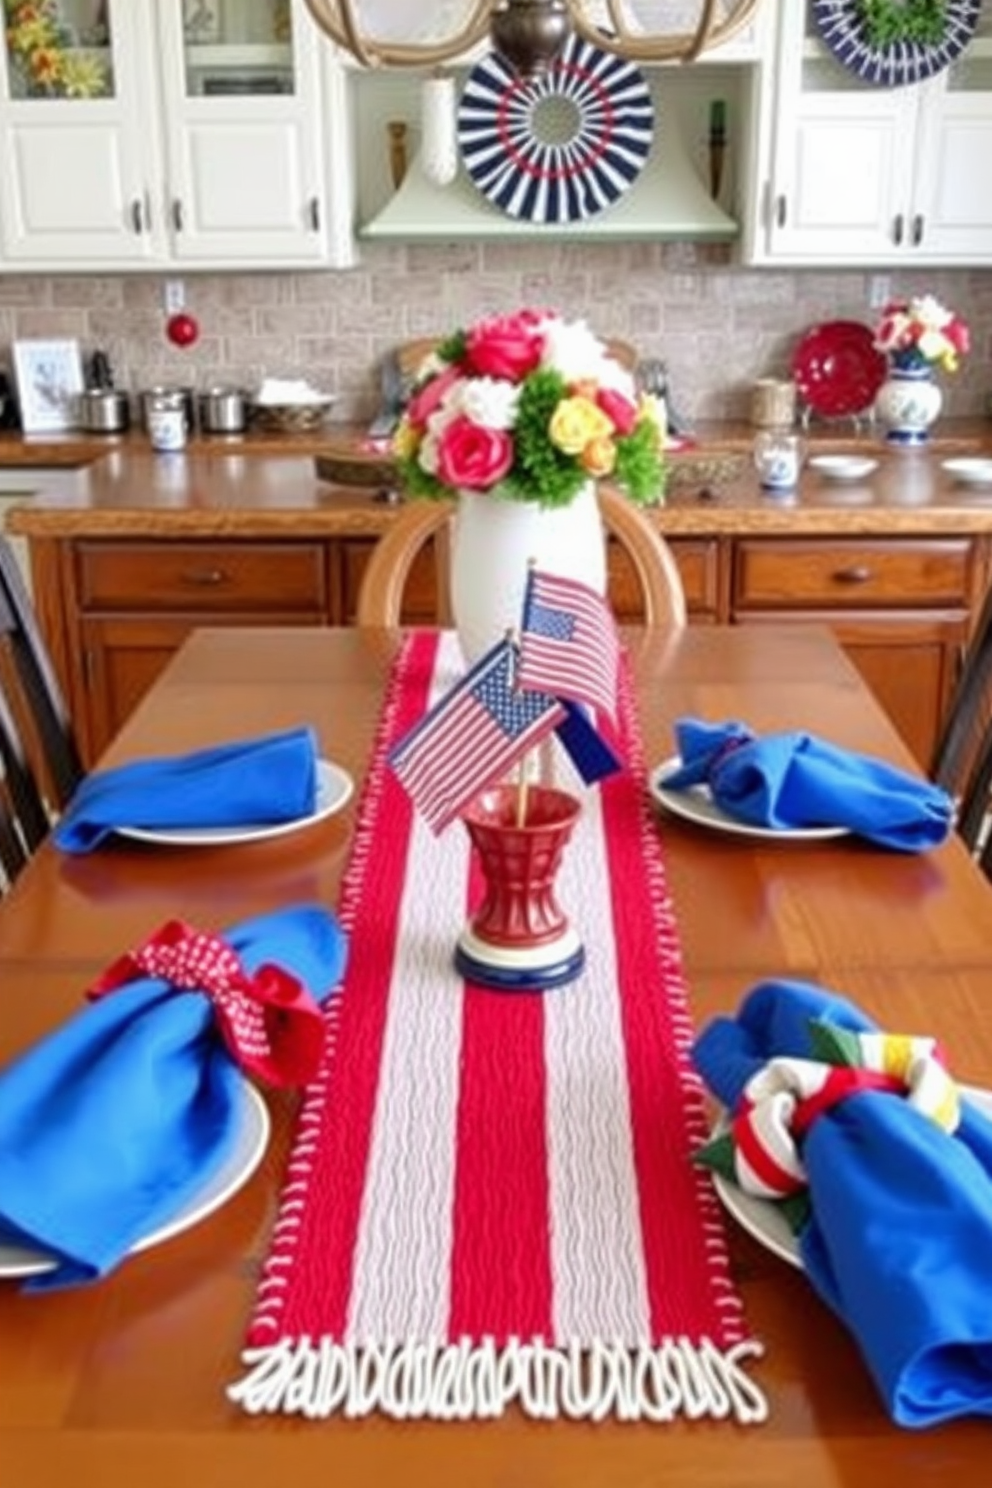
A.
x: 490, y: 1196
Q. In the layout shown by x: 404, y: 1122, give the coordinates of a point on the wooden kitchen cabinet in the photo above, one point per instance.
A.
x: 170, y: 134
x: 697, y: 559
x: 899, y: 606
x: 133, y: 604
x: 850, y: 172
x: 115, y: 609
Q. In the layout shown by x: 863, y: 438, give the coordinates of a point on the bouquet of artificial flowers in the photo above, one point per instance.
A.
x: 921, y: 331
x: 530, y: 407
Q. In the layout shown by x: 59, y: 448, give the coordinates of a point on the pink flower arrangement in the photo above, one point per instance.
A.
x: 920, y: 332
x: 530, y: 407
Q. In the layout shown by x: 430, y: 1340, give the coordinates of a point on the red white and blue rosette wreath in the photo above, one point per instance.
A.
x: 608, y: 126
x: 842, y: 24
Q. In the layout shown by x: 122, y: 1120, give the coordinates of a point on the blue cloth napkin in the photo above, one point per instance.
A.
x: 899, y: 1239
x: 794, y: 779
x: 251, y: 782
x: 112, y: 1122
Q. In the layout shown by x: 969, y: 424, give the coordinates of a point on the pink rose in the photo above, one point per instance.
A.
x: 472, y: 457
x: 619, y: 410
x: 508, y: 346
x: 957, y: 334
x: 431, y: 396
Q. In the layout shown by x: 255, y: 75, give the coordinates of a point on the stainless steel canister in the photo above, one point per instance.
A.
x: 104, y: 411
x: 222, y: 410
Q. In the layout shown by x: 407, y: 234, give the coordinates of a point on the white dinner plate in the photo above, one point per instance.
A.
x: 763, y: 1218
x: 696, y: 804
x: 974, y: 471
x: 245, y: 1155
x: 843, y: 467
x: 334, y: 789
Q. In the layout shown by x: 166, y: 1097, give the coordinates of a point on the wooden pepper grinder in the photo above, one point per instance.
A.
x: 397, y: 151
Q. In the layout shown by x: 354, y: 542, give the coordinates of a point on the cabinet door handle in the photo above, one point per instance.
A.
x: 204, y: 578
x: 898, y: 227
x: 858, y: 573
x: 313, y: 212
x: 137, y: 216
x: 918, y: 225
x: 781, y: 210
x: 177, y: 214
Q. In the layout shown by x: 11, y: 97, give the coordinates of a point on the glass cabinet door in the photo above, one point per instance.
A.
x: 235, y: 47
x: 59, y: 49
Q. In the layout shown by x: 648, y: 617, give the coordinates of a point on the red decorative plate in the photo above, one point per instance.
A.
x: 837, y: 368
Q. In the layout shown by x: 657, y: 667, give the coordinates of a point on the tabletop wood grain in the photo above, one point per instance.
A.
x: 124, y: 1381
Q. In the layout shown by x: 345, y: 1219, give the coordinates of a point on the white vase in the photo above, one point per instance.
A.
x: 495, y: 539
x: 908, y: 404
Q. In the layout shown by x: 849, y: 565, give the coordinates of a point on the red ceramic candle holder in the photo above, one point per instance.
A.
x: 520, y: 939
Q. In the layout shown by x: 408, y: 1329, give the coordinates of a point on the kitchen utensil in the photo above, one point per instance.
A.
x: 100, y: 372
x: 104, y: 410
x: 837, y: 368
x: 222, y: 410
x: 393, y: 394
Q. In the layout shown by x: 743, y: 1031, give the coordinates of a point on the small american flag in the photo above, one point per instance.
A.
x: 472, y: 737
x: 569, y: 644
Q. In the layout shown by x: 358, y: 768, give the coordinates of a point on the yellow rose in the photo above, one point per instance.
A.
x: 599, y: 457
x: 575, y: 422
x: 406, y: 440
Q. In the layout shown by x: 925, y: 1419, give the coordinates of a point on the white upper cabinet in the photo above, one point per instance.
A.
x: 852, y: 172
x: 79, y: 143
x: 171, y: 131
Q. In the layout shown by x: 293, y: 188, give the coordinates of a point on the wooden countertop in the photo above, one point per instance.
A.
x: 262, y: 485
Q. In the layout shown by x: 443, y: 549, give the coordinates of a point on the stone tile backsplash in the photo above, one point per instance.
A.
x: 716, y: 325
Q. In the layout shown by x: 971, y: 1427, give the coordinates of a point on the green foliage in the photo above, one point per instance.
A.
x: 541, y: 473
x: 640, y: 465
x: 452, y: 348
x: 888, y: 22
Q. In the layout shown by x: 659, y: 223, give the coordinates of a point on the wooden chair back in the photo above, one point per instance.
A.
x: 380, y: 598
x: 963, y: 759
x: 38, y: 751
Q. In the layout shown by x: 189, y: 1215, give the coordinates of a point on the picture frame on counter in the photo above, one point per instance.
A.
x: 49, y: 378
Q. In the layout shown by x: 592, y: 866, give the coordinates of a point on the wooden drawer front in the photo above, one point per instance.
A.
x: 697, y: 564
x: 263, y: 577
x: 419, y: 592
x: 851, y: 574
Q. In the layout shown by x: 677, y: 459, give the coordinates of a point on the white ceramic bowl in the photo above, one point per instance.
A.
x: 843, y: 467
x: 974, y: 471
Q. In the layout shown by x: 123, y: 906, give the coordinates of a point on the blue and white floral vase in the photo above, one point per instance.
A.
x: 909, y: 401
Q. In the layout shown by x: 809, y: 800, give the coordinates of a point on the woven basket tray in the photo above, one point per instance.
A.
x: 356, y: 470
x: 702, y: 470
x: 289, y: 418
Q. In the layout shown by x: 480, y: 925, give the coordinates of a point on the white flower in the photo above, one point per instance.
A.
x: 573, y: 350
x: 488, y: 401
x: 929, y: 312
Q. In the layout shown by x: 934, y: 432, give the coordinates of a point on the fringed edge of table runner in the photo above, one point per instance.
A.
x: 478, y: 1381
x: 440, y: 1380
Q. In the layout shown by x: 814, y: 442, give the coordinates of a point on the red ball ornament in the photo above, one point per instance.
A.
x: 182, y: 329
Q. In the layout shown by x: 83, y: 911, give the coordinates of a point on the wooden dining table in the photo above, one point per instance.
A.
x: 124, y: 1381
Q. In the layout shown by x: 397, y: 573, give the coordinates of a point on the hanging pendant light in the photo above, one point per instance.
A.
x: 529, y: 33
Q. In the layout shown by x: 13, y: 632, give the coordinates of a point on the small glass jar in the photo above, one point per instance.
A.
x: 777, y: 458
